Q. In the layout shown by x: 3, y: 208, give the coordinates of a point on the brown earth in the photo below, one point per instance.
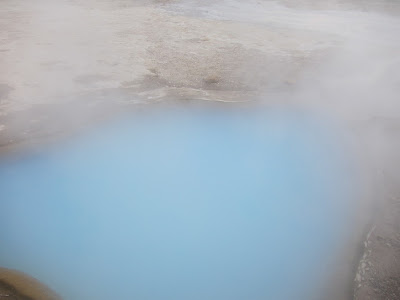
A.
x: 15, y: 285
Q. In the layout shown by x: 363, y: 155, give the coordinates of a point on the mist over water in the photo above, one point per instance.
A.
x: 188, y: 204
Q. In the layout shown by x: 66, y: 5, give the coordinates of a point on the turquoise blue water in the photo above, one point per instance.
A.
x: 183, y: 205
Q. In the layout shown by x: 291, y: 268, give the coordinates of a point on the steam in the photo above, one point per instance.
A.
x: 201, y: 201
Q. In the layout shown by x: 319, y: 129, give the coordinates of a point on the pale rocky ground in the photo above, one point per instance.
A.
x: 67, y: 63
x: 107, y: 53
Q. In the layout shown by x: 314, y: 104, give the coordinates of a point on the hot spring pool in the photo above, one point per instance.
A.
x: 195, y: 204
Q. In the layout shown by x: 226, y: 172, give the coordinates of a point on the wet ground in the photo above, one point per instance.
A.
x: 65, y: 65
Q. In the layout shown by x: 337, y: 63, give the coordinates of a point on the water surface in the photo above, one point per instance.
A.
x: 195, y: 204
